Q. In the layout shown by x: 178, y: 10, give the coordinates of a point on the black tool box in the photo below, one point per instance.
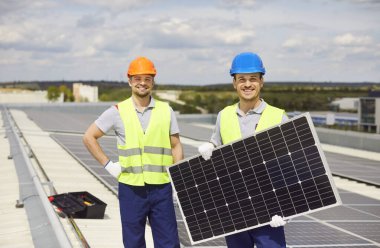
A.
x: 79, y: 205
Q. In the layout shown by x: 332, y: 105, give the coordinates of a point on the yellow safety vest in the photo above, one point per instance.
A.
x: 145, y: 156
x: 229, y: 122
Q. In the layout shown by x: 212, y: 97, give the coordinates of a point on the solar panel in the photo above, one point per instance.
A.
x: 281, y: 170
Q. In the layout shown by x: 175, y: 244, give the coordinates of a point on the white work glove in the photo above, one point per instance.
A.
x: 277, y: 221
x: 206, y: 150
x: 113, y: 168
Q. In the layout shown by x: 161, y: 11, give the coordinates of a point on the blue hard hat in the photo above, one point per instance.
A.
x: 247, y: 63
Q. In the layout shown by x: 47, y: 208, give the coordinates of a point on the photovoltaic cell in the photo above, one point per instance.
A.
x: 281, y: 170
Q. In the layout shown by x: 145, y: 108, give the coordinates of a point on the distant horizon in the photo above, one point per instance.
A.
x: 183, y: 85
x: 161, y: 84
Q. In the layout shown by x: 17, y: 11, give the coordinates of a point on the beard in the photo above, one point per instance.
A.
x: 142, y: 94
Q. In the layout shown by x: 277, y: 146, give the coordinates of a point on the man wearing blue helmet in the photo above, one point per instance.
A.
x: 250, y: 115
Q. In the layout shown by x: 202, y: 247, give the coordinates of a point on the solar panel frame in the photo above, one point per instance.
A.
x: 231, y: 216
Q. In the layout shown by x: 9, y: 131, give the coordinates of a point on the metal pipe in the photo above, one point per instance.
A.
x: 56, y: 226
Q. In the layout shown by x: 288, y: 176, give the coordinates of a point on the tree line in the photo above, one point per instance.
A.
x: 213, y: 98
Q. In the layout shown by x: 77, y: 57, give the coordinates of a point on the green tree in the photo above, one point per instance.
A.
x: 67, y: 93
x: 53, y: 93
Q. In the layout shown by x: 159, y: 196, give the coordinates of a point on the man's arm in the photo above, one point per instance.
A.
x: 177, y: 150
x: 90, y: 140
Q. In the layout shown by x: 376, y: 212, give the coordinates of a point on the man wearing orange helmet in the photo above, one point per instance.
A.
x: 148, y: 142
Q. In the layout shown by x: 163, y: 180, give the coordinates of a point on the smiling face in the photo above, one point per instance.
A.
x: 248, y: 86
x: 141, y: 85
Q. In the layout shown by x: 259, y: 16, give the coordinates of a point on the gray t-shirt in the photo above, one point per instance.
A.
x: 111, y: 120
x: 248, y: 123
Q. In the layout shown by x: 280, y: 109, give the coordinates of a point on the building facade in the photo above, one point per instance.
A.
x: 369, y: 114
x: 85, y: 93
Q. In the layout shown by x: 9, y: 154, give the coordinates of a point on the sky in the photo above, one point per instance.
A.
x: 190, y: 42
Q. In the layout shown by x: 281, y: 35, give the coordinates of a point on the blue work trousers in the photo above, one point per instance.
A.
x: 155, y: 202
x: 262, y: 237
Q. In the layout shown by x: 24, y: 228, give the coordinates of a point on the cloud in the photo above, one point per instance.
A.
x: 90, y: 20
x: 340, y: 48
x: 12, y: 6
x: 366, y: 1
x: 9, y: 35
x: 349, y: 39
x: 239, y: 3
x: 304, y: 47
x: 114, y: 6
x: 32, y: 38
x: 176, y: 33
x: 355, y: 48
x: 96, y: 38
x: 292, y: 43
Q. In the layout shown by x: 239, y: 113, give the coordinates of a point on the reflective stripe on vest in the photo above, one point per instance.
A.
x: 147, y: 167
x: 230, y: 127
x: 147, y: 149
x: 129, y: 152
x: 145, y: 156
x: 158, y: 150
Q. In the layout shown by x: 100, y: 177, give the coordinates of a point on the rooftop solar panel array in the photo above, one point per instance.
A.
x: 280, y: 171
x: 354, y: 224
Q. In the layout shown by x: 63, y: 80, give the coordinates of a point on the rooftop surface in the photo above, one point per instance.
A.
x: 54, y: 136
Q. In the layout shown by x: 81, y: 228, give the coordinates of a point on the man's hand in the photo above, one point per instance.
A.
x: 277, y: 221
x: 113, y: 168
x: 206, y: 150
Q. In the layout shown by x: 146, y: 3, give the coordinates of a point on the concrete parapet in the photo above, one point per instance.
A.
x: 356, y: 140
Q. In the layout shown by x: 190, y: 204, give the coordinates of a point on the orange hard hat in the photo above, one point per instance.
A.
x: 141, y: 65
